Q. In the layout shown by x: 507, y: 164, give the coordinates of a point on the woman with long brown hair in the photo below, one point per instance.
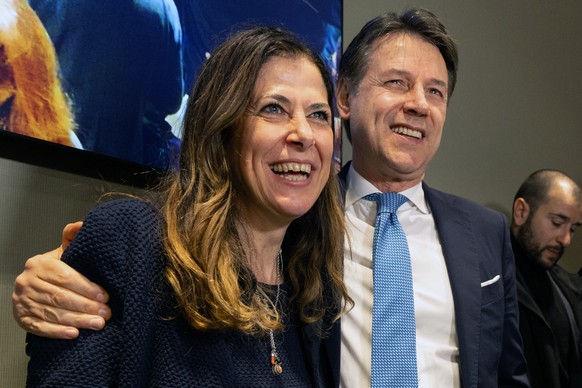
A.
x: 234, y: 277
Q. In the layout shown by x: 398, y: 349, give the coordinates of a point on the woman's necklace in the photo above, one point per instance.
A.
x: 275, y: 360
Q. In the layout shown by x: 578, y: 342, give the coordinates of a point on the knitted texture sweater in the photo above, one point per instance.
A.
x: 147, y: 343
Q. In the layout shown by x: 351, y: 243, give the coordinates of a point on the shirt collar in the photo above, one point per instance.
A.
x: 358, y: 187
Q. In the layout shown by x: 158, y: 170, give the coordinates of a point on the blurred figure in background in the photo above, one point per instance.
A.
x: 121, y: 65
x: 546, y: 210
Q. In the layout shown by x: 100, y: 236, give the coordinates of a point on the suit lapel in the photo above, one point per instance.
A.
x: 457, y: 238
x: 571, y: 287
x: 525, y: 299
x: 322, y: 354
x: 343, y: 179
x: 311, y: 344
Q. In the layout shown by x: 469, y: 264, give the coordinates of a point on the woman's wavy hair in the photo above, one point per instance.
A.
x: 208, y: 268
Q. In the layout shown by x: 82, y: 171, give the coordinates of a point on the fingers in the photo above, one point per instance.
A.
x: 69, y: 233
x: 46, y: 329
x: 42, y: 271
x: 39, y: 293
x: 51, y: 299
x: 54, y: 330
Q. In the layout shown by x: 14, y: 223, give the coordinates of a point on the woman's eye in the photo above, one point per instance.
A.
x: 321, y: 115
x: 272, y: 109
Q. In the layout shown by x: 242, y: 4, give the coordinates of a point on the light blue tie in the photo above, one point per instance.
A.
x: 393, y: 325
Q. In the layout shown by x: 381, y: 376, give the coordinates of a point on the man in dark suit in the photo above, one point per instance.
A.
x: 395, y: 81
x: 546, y: 210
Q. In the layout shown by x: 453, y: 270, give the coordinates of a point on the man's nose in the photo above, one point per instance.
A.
x: 565, y: 237
x: 416, y: 102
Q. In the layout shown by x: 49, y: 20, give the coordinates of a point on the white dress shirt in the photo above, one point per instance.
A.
x: 436, y: 339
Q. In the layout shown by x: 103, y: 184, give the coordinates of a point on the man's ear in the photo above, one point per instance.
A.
x: 521, y: 211
x: 343, y: 99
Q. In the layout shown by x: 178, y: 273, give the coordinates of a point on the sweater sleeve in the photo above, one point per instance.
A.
x: 119, y: 248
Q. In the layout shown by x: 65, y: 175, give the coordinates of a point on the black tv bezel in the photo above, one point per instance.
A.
x: 42, y: 153
x: 30, y: 150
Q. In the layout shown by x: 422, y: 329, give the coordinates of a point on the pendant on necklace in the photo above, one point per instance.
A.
x: 276, y: 364
x: 275, y: 361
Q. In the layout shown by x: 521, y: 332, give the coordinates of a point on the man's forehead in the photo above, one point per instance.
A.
x: 395, y: 49
x: 564, y: 208
x: 399, y: 39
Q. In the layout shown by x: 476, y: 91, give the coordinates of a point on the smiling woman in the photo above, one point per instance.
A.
x: 284, y: 160
x: 235, y: 278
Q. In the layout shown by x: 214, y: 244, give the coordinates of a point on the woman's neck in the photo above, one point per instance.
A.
x: 267, y: 270
x: 263, y: 253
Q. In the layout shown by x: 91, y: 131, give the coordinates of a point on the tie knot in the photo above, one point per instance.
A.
x: 387, y: 202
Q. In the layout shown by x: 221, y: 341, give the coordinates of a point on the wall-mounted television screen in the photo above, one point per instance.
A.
x: 98, y: 87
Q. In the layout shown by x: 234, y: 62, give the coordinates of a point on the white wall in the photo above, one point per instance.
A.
x: 516, y: 109
x: 35, y: 204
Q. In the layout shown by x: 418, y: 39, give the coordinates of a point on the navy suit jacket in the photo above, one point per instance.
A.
x: 477, y: 249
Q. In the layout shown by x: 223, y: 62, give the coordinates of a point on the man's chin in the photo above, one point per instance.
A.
x: 548, y: 261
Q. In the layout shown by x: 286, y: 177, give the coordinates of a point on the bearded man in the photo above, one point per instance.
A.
x: 546, y: 210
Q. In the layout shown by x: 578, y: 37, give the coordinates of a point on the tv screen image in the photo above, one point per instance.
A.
x: 98, y: 87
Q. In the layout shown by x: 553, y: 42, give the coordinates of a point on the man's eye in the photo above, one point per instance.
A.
x: 436, y: 92
x: 397, y: 85
x: 395, y: 82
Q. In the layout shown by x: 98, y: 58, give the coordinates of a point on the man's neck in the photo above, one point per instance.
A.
x: 392, y: 183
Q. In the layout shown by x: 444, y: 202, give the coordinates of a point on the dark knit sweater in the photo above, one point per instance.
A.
x: 147, y: 343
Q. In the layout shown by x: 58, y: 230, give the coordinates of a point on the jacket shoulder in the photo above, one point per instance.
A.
x: 440, y: 198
